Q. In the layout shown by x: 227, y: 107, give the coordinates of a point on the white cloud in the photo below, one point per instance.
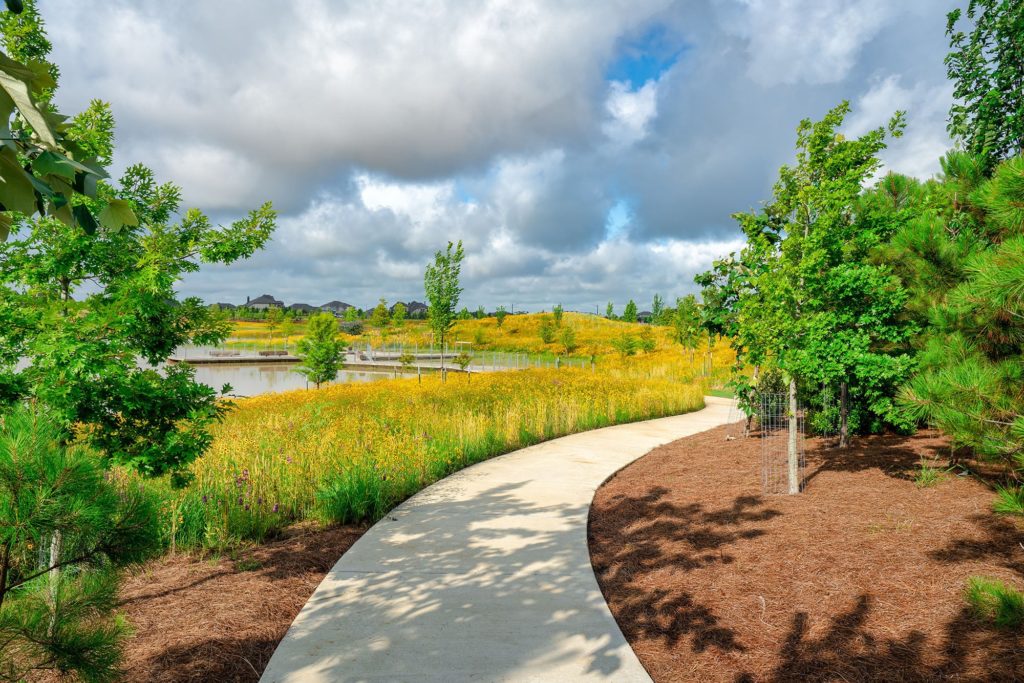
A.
x: 629, y: 112
x: 925, y: 140
x: 808, y: 41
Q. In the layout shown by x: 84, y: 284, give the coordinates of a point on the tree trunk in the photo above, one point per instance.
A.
x: 793, y: 455
x: 844, y: 414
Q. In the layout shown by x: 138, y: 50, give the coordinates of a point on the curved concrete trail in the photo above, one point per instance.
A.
x: 484, y: 576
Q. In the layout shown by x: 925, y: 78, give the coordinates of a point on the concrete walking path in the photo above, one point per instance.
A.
x: 484, y: 576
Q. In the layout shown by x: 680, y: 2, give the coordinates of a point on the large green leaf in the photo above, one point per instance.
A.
x: 52, y: 163
x: 84, y: 218
x: 6, y: 221
x: 16, y: 191
x: 117, y: 214
x: 16, y: 79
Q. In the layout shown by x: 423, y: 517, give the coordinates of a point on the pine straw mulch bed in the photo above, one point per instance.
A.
x: 199, y: 619
x: 860, y: 578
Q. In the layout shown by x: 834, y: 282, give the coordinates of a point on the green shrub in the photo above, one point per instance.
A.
x: 996, y: 601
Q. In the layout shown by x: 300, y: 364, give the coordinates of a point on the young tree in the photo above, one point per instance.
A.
x: 629, y: 314
x: 686, y: 324
x: 568, y: 339
x: 398, y: 314
x: 626, y: 344
x: 658, y: 310
x: 441, y: 283
x: 985, y: 65
x: 351, y: 314
x: 609, y: 311
x: 480, y: 313
x: 804, y: 295
x: 275, y: 316
x: 499, y: 316
x: 287, y: 330
x: 647, y: 342
x: 55, y: 615
x: 547, y: 329
x: 380, y: 317
x: 321, y: 350
x: 558, y: 312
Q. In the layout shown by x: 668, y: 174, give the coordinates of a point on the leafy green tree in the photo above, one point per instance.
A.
x: 321, y: 350
x: 351, y: 314
x: 609, y: 311
x: 287, y: 330
x: 626, y: 344
x: 398, y: 314
x: 441, y: 283
x: 547, y: 329
x: 45, y: 168
x: 56, y: 615
x: 687, y: 330
x: 629, y: 314
x: 557, y: 312
x: 805, y: 297
x: 464, y: 314
x: 275, y: 316
x: 986, y: 64
x: 380, y: 317
x: 463, y: 360
x: 658, y: 310
x: 480, y: 313
x: 647, y: 342
x: 500, y: 315
x: 79, y: 305
x: 568, y: 339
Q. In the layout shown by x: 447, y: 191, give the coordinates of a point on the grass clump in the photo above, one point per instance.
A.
x: 996, y: 601
x: 929, y: 475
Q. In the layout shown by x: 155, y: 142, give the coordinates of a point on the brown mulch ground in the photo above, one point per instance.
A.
x: 219, y: 620
x: 860, y: 578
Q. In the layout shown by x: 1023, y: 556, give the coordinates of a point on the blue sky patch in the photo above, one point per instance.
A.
x: 646, y: 57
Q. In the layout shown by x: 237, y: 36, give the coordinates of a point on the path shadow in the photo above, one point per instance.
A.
x: 895, y: 455
x: 484, y: 584
x: 848, y: 651
x: 643, y: 527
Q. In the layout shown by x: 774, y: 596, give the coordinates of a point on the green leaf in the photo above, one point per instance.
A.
x: 16, y: 193
x: 15, y: 80
x: 117, y: 214
x: 85, y: 219
x: 5, y: 225
x: 50, y: 163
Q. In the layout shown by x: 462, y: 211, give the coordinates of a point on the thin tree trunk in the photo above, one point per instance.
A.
x: 844, y: 413
x: 56, y: 541
x: 793, y: 455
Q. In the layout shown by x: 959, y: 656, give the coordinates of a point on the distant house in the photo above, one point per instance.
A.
x: 336, y: 307
x: 263, y: 302
x: 644, y: 317
x: 416, y: 310
x: 226, y: 307
x: 304, y: 309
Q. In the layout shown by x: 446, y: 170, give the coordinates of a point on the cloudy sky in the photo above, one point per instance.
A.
x: 583, y: 150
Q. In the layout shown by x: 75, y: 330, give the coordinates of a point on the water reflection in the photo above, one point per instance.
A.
x: 249, y: 380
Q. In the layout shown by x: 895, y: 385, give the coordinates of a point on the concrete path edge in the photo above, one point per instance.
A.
x: 484, y: 575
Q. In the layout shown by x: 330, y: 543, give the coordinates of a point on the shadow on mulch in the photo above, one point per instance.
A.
x: 220, y: 620
x: 860, y: 578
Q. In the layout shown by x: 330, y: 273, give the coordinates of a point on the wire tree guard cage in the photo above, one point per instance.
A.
x: 773, y: 422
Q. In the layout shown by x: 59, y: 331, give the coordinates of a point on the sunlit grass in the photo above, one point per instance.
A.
x: 350, y: 452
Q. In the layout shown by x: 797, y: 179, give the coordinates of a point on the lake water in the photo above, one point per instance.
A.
x: 249, y: 380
